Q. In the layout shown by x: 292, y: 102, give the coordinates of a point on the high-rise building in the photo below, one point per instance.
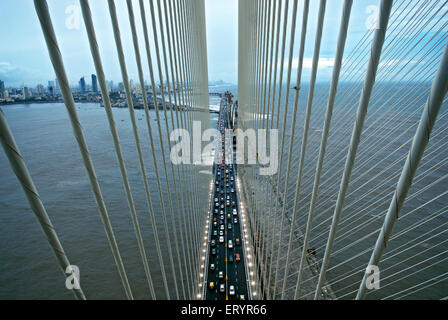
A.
x: 51, y: 88
x: 82, y: 85
x: 94, y: 84
x: 2, y: 89
x: 137, y: 90
x: 56, y: 86
x: 40, y: 89
x: 26, y: 93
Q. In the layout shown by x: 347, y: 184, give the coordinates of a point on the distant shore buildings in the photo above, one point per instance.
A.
x: 82, y: 93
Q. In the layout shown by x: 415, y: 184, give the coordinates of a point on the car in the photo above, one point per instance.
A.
x: 228, y: 215
x: 217, y: 182
x: 231, y: 178
x: 230, y: 244
x: 216, y: 211
x: 237, y: 257
x: 221, y: 239
x: 221, y: 217
x: 237, y: 241
x: 235, y: 220
x: 214, y: 219
x: 216, y: 204
x: 216, y: 199
x: 229, y: 227
x: 220, y: 274
x: 221, y: 233
x: 242, y: 297
x: 231, y: 258
x: 217, y: 189
x: 215, y: 232
x: 213, y: 243
x: 212, y: 285
x: 222, y: 288
x: 222, y: 227
x: 222, y: 206
x: 232, y: 190
x: 212, y: 267
x: 232, y: 290
x: 215, y: 224
x: 213, y: 251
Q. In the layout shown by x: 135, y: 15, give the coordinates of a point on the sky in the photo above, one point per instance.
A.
x: 24, y: 58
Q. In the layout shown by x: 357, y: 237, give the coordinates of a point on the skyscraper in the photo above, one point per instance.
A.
x: 26, y: 93
x: 82, y: 85
x: 2, y: 89
x: 94, y: 84
x: 56, y: 86
x: 51, y: 88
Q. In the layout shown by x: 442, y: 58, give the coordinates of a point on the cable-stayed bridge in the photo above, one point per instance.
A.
x: 360, y: 179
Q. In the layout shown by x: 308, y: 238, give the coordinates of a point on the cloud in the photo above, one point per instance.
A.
x: 14, y: 75
x: 324, y: 63
x: 5, y: 67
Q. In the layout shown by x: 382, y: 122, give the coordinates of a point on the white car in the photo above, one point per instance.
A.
x: 222, y: 288
x: 230, y: 244
x: 235, y: 213
x: 221, y: 239
x: 232, y: 290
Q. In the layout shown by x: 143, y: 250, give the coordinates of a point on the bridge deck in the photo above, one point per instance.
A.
x: 226, y: 259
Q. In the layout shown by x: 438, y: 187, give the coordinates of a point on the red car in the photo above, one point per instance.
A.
x: 237, y: 257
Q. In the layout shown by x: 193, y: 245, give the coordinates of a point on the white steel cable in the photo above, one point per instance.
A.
x: 58, y: 66
x: 107, y: 106
x: 421, y: 138
x: 334, y: 86
x: 377, y: 44
x: 20, y: 169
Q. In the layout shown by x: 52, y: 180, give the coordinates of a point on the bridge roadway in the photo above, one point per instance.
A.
x: 226, y: 277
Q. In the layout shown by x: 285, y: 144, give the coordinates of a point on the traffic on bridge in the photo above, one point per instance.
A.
x: 227, y: 276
